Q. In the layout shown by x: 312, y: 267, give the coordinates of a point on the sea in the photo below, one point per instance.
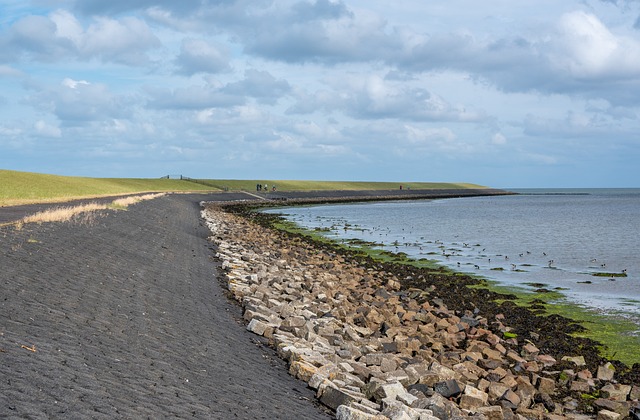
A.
x: 584, y: 243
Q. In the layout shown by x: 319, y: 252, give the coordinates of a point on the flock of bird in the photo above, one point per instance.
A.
x: 474, y: 252
x: 495, y: 262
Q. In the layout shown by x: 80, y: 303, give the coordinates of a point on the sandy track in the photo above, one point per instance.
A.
x: 128, y: 320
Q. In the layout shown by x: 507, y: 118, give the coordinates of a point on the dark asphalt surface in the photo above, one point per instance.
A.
x: 123, y: 316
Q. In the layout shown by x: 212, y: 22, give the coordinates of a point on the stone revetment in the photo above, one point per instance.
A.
x: 373, y: 350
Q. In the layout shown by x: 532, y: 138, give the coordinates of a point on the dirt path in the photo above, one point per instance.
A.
x: 128, y: 320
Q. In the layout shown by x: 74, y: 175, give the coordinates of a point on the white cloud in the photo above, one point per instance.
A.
x: 47, y: 130
x: 588, y: 49
x: 259, y: 84
x: 200, y: 56
x: 60, y: 36
x: 9, y: 131
x: 8, y: 71
x: 75, y: 102
x: 376, y: 98
x: 191, y: 97
x: 73, y: 84
x: 498, y: 139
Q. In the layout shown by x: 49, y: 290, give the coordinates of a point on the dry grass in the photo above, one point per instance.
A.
x: 87, y: 211
x: 62, y: 214
x: 127, y: 201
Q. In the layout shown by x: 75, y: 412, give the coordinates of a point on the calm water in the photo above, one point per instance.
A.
x: 558, y: 239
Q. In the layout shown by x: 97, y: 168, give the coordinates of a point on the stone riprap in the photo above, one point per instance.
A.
x: 372, y: 350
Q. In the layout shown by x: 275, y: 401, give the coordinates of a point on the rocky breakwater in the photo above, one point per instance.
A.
x: 373, y: 350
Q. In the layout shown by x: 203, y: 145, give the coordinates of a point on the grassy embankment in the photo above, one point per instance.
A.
x: 289, y: 185
x: 26, y: 187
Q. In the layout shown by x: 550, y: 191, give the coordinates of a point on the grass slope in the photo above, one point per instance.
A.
x: 27, y: 187
x: 289, y: 185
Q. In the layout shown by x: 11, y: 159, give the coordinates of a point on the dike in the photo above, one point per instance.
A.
x: 374, y: 346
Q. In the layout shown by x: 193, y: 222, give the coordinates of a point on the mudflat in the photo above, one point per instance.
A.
x: 122, y: 315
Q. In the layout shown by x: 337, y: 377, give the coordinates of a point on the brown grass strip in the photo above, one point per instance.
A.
x: 127, y: 201
x: 64, y: 214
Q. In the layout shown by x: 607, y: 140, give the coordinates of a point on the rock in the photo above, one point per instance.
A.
x: 546, y: 385
x: 584, y: 374
x: 492, y: 354
x: 580, y: 386
x: 444, y: 373
x: 257, y: 327
x: 550, y: 416
x: 511, y: 399
x: 577, y: 360
x: 468, y: 402
x: 616, y: 392
x: 345, y: 412
x: 389, y: 391
x: 388, y: 365
x: 608, y: 415
x: 407, y: 398
x: 606, y: 372
x: 546, y: 360
x: 525, y: 391
x: 619, y: 407
x: 476, y: 393
x: 302, y: 370
x: 491, y: 413
x: 395, y: 410
x: 373, y: 359
x: 496, y: 390
x: 529, y: 350
x: 530, y: 414
x: 322, y: 373
x: 423, y: 389
x: 448, y: 389
x: 545, y: 399
x: 440, y: 407
x: 489, y: 364
x: 333, y: 397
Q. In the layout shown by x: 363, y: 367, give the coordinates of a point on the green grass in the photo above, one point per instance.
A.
x: 27, y: 187
x: 288, y: 185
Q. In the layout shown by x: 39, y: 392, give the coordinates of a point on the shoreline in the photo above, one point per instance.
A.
x: 559, y: 292
x: 509, y: 329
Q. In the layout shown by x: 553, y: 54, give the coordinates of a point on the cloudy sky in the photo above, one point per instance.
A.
x: 527, y: 93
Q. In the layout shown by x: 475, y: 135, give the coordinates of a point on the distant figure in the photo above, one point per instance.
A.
x: 273, y: 188
x: 400, y: 186
x: 258, y: 187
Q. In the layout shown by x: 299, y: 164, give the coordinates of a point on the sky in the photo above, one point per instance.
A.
x: 527, y: 93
